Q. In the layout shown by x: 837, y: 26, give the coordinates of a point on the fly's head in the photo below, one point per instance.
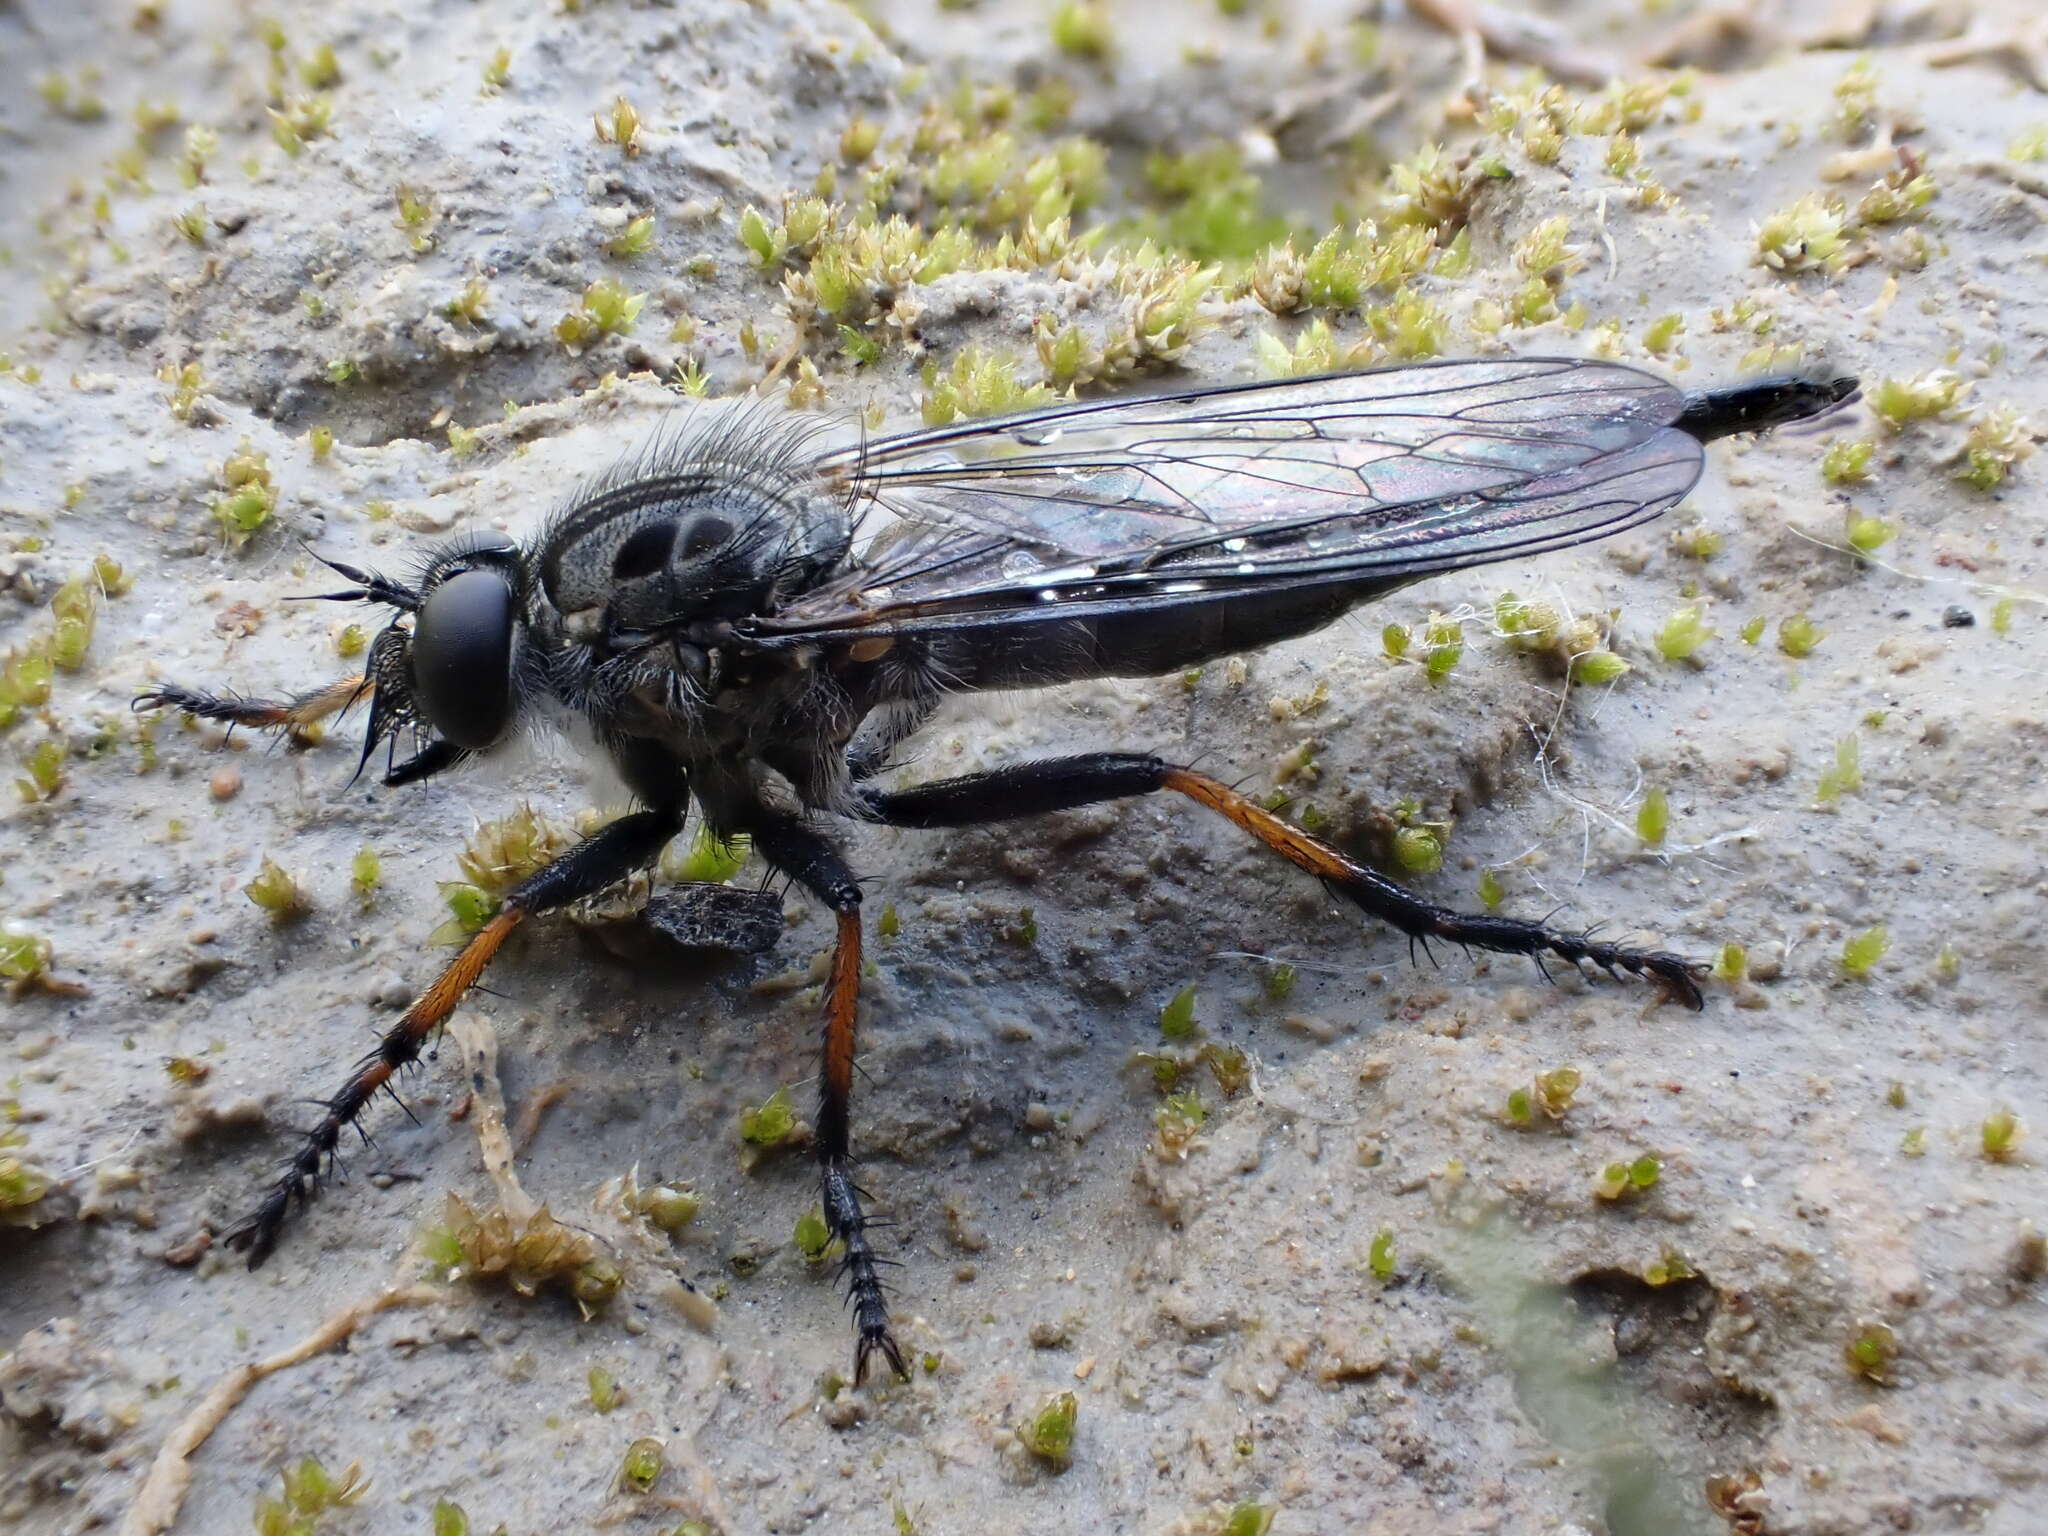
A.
x: 450, y: 667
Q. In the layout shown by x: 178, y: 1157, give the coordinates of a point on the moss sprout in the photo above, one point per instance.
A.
x: 1683, y: 634
x: 1617, y: 1180
x: 1998, y: 439
x: 1798, y: 635
x: 1668, y: 1268
x: 277, y: 893
x: 1914, y: 1142
x: 300, y: 119
x: 977, y: 383
x: 1278, y: 981
x: 708, y: 859
x: 1895, y: 1094
x: 469, y: 908
x: 1395, y: 640
x: 1752, y: 631
x: 608, y: 309
x: 2001, y: 616
x: 1653, y: 818
x: 501, y: 853
x: 1081, y: 30
x: 1845, y: 774
x: 641, y: 1467
x: 1380, y: 1255
x: 890, y: 924
x: 770, y: 1123
x: 1491, y: 892
x: 1178, y: 1119
x: 1177, y: 1018
x: 1872, y: 1354
x: 1556, y: 1089
x: 1999, y: 1137
x: 536, y: 1252
x: 1443, y: 640
x: 310, y: 1491
x: 22, y: 1188
x: 636, y: 239
x: 1419, y: 849
x: 1597, y: 667
x: 1811, y: 235
x: 1049, y: 1433
x: 813, y: 1238
x: 365, y: 873
x: 251, y: 495
x: 2029, y: 143
x: 1862, y: 951
x: 605, y: 1391
x: 193, y: 224
x: 1902, y: 193
x: 1867, y: 535
x: 1249, y: 1519
x: 620, y: 126
x: 667, y: 1207
x: 449, y: 1518
x: 1896, y: 402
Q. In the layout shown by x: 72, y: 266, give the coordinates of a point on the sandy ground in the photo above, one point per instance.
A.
x: 1360, y: 1297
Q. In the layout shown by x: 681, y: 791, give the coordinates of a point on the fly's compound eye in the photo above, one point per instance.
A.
x: 462, y: 658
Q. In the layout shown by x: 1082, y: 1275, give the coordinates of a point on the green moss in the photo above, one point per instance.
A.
x: 251, y: 495
x: 667, y: 1207
x: 1419, y: 850
x: 1380, y: 1256
x: 1278, y: 982
x: 1844, y: 775
x: 449, y: 1519
x: 2029, y: 144
x: 620, y: 126
x: 709, y: 858
x: 1798, y: 635
x: 1081, y: 30
x: 1630, y: 1178
x: 1491, y: 891
x: 365, y: 873
x: 497, y: 72
x: 2000, y: 1135
x: 1683, y: 634
x: 310, y: 1491
x: 1731, y: 963
x: 642, y: 1466
x: 1872, y: 1354
x: 608, y: 309
x: 2001, y: 616
x: 605, y: 1391
x: 1862, y: 952
x: 1897, y: 402
x: 977, y: 383
x: 1049, y: 1433
x: 1809, y: 236
x: 469, y: 907
x: 812, y: 1236
x: 277, y: 893
x: 1668, y: 1268
x: 1867, y: 535
x: 300, y: 120
x: 1598, y: 667
x: 1444, y: 646
x: 770, y: 1123
x: 1998, y: 439
x: 636, y: 239
x: 1177, y: 1018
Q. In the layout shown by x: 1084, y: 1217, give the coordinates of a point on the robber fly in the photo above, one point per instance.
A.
x: 751, y: 623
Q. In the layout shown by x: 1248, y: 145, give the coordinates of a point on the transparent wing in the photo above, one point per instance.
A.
x: 1367, y: 477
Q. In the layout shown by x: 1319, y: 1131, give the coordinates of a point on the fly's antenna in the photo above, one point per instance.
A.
x: 369, y: 587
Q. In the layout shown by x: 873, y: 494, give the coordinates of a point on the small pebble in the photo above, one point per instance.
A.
x: 1957, y: 617
x: 225, y: 784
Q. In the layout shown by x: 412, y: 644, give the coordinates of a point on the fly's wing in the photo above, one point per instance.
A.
x: 1362, y: 478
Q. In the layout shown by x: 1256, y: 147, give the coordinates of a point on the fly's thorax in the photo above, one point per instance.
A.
x: 716, y: 542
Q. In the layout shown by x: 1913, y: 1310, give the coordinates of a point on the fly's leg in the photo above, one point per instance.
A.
x: 602, y: 859
x: 296, y: 715
x: 807, y: 858
x: 1057, y: 784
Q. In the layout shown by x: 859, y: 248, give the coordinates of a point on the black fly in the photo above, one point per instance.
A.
x: 748, y: 623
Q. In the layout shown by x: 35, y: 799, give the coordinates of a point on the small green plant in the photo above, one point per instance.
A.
x: 1380, y: 1256
x: 1081, y: 30
x: 1632, y: 1178
x: 1177, y: 1018
x: 770, y: 1123
x: 1049, y: 1433
x: 277, y: 893
x: 1798, y: 635
x: 1846, y: 460
x: 1862, y: 952
x: 1683, y: 634
x: 642, y: 1466
x: 2000, y: 1135
x: 1872, y: 1353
